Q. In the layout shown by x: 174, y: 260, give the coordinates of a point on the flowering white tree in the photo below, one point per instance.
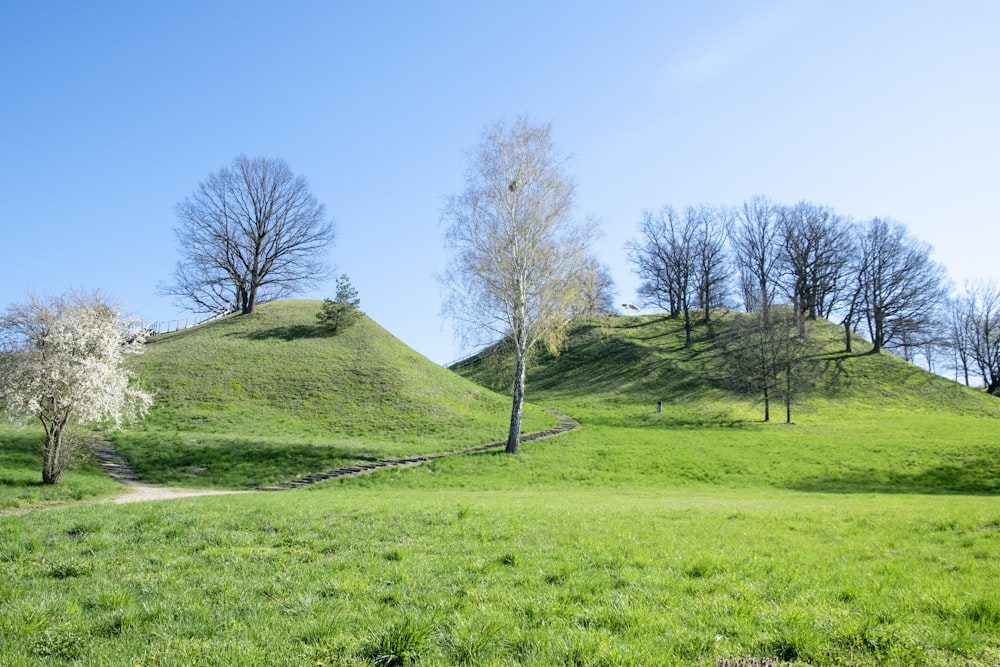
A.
x: 63, y: 363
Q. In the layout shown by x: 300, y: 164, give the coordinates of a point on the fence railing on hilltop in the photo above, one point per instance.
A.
x: 166, y: 326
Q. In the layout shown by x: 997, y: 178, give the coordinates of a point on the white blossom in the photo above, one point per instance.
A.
x: 64, y: 364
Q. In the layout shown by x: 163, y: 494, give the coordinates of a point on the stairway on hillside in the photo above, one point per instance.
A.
x: 112, y: 462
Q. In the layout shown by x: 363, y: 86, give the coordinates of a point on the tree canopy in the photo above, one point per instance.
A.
x: 251, y: 232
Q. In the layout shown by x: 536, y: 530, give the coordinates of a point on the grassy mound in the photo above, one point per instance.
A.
x: 627, y: 363
x: 253, y: 399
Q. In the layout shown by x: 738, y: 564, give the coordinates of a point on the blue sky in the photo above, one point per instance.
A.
x: 113, y: 112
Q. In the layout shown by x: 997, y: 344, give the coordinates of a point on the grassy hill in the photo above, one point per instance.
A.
x: 251, y: 399
x: 866, y: 534
x: 632, y: 362
x: 874, y: 423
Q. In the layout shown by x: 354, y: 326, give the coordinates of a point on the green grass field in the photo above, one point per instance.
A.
x: 866, y: 533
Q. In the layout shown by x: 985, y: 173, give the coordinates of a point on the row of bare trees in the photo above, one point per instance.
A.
x: 974, y: 333
x: 872, y: 277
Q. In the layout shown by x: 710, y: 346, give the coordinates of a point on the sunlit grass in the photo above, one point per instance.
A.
x: 867, y: 533
x: 21, y: 474
x: 553, y: 573
x: 256, y: 399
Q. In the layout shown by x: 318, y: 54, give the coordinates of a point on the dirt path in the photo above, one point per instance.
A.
x: 138, y: 493
x: 118, y: 468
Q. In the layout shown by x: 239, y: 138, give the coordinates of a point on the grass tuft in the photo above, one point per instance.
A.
x: 400, y: 644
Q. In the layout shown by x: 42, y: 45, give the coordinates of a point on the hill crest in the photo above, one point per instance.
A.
x: 642, y: 359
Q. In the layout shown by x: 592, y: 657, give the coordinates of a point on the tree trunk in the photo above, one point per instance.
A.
x: 687, y: 328
x: 249, y: 301
x: 517, y: 410
x: 52, y: 456
x: 767, y: 405
x: 788, y: 395
x: 878, y: 334
x: 847, y: 336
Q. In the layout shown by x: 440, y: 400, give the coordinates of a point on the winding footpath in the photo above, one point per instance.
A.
x: 118, y: 468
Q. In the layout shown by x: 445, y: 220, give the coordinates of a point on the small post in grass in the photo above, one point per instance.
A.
x: 659, y: 407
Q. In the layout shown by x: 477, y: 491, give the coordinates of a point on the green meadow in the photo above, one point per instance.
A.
x: 865, y: 533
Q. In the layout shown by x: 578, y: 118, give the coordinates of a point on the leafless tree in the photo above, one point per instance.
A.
x: 597, y: 289
x: 662, y: 260
x: 959, y: 337
x: 852, y: 298
x: 518, y: 252
x: 755, y: 239
x: 711, y: 264
x: 901, y: 288
x: 975, y: 325
x: 665, y: 258
x: 771, y: 357
x: 252, y: 232
x: 815, y: 251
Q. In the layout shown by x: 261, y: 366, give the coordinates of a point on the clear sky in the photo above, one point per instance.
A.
x: 112, y: 112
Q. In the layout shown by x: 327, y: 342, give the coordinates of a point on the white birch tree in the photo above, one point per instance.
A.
x: 64, y: 365
x: 518, y: 253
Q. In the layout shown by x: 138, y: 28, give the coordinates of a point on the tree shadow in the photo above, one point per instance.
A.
x: 976, y: 477
x: 287, y: 333
x: 21, y: 483
x: 227, y: 461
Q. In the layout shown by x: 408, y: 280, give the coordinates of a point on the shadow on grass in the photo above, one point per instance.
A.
x: 707, y: 419
x: 231, y: 463
x: 22, y: 483
x: 20, y: 449
x: 287, y: 333
x: 976, y: 477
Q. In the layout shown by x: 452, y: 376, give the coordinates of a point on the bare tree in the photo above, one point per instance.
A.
x: 849, y: 302
x: 901, y: 288
x: 815, y: 251
x: 251, y: 233
x: 756, y: 243
x: 518, y: 253
x: 752, y: 358
x: 976, y: 331
x: 64, y: 366
x: 959, y: 338
x: 662, y: 261
x: 771, y: 357
x: 711, y: 265
x: 665, y: 257
x: 597, y: 289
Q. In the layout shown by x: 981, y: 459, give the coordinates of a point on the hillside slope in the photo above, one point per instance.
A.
x: 256, y: 389
x: 611, y: 362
